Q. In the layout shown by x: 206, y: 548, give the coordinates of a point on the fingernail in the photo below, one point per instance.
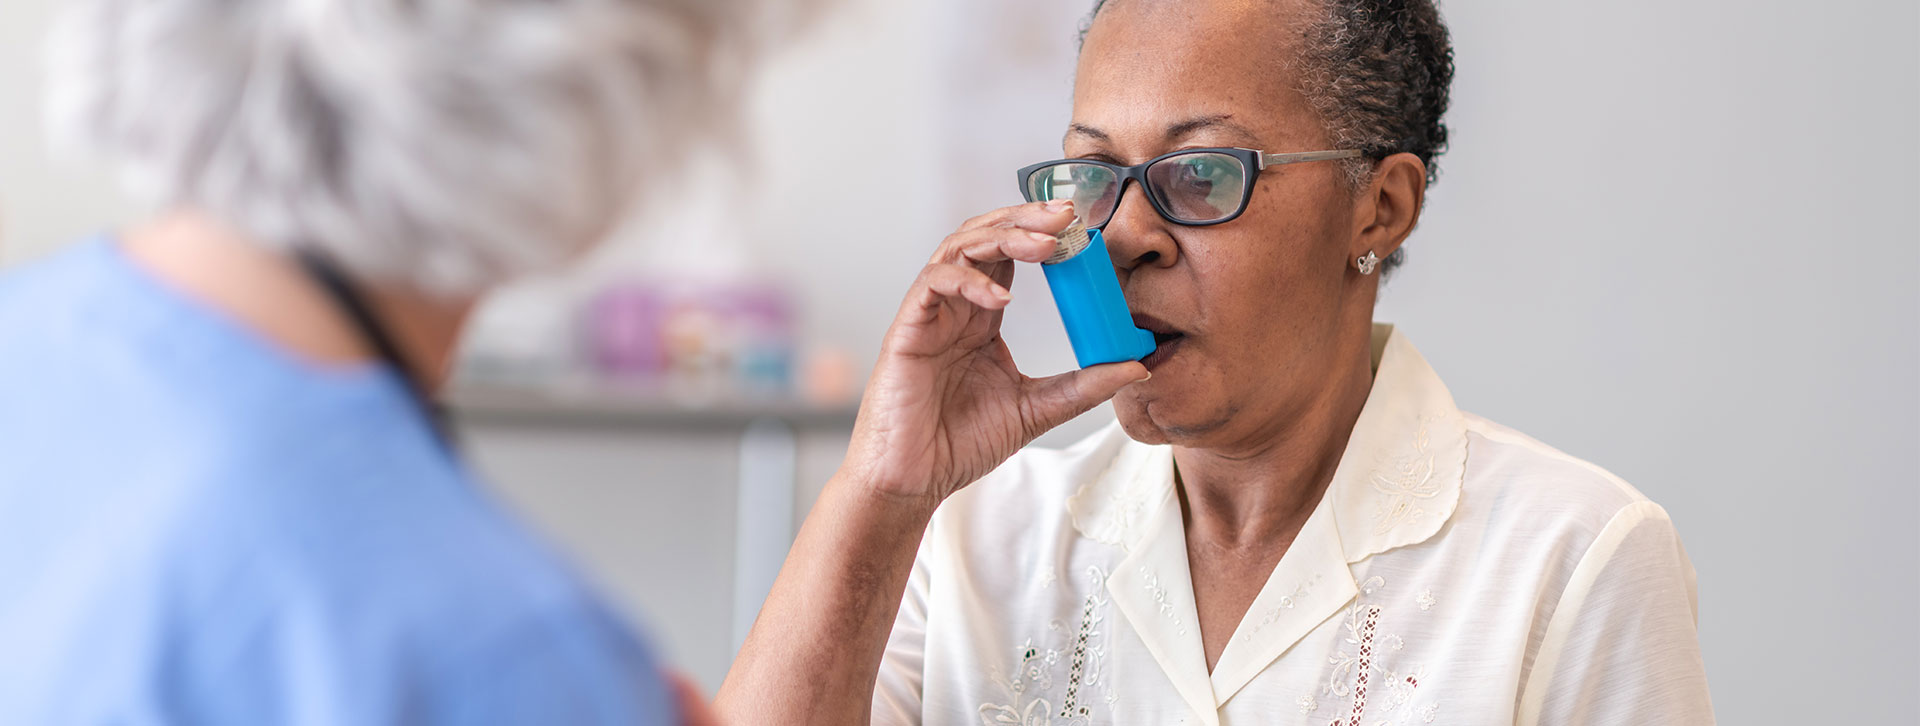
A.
x: 1004, y: 294
x: 1148, y: 378
x: 1059, y: 205
x: 1043, y: 237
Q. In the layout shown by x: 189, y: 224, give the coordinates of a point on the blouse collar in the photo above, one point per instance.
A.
x: 1396, y: 484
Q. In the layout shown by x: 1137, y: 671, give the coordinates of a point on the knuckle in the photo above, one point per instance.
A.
x: 944, y: 273
x: 982, y: 220
x: 929, y: 275
x: 958, y: 244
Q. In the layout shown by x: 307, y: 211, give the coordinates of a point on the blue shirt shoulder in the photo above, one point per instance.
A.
x: 198, y: 528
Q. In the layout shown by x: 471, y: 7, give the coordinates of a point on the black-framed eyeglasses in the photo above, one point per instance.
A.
x: 1191, y: 187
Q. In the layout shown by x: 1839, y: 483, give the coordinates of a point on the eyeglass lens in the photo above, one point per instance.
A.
x: 1193, y: 188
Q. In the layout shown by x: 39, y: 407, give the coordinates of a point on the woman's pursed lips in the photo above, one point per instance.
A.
x: 1166, y: 338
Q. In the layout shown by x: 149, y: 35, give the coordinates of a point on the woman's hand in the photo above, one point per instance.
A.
x: 946, y: 404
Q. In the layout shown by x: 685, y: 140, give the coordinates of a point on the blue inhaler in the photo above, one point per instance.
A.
x: 1088, y: 294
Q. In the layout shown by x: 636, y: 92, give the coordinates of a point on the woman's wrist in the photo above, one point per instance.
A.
x: 858, y: 491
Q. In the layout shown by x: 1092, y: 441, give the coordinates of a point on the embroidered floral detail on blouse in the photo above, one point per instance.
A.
x: 1425, y: 600
x: 1113, y: 515
x: 1372, y: 585
x: 1307, y: 704
x: 1033, y: 670
x: 1363, y: 667
x: 1037, y: 713
x: 1032, y: 686
x: 1285, y: 603
x: 1427, y: 714
x: 1364, y: 664
x: 1076, y: 673
x: 1159, y: 594
x: 1400, y: 686
x: 1407, y: 483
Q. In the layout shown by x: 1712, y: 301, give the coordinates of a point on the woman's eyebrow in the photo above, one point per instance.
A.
x: 1175, y: 132
x: 1080, y: 129
x: 1223, y: 121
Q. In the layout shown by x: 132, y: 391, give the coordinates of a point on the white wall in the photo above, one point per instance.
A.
x: 43, y: 204
x: 1679, y: 239
x: 1675, y: 238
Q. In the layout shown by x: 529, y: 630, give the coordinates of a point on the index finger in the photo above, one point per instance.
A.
x: 1026, y: 232
x: 1044, y: 217
x: 989, y: 245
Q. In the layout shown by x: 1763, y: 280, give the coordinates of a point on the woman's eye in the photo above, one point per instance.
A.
x: 1209, y: 169
x: 1197, y: 175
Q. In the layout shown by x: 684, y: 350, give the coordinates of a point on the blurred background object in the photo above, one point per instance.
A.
x: 1676, y: 239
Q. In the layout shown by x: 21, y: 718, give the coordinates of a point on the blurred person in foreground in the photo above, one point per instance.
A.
x: 224, y: 497
x: 1291, y: 522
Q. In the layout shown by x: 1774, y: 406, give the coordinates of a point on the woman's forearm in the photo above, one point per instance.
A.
x: 815, y: 650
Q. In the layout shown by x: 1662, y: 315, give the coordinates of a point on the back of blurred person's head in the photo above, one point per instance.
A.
x: 441, y: 145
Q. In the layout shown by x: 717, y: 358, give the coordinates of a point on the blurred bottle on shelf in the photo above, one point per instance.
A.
x: 827, y: 377
x: 624, y: 332
x: 695, y: 341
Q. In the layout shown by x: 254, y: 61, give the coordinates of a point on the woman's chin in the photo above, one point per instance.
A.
x: 1158, y: 419
x: 1140, y: 429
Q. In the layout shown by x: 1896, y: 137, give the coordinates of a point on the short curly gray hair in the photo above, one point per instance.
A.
x: 445, y: 145
x: 1378, y: 73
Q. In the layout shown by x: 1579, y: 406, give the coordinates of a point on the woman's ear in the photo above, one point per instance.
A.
x: 1390, y: 205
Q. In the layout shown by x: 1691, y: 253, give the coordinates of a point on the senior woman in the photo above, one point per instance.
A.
x: 1292, y: 521
x: 223, y: 497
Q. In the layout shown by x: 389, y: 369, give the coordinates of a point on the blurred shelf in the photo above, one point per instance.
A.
x: 599, y: 405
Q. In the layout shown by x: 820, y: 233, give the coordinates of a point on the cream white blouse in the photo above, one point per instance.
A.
x: 1456, y: 572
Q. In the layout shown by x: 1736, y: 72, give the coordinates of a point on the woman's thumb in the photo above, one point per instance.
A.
x: 1055, y: 400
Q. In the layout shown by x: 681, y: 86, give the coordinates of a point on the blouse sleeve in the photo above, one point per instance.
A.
x: 1622, y: 645
x: 896, y: 692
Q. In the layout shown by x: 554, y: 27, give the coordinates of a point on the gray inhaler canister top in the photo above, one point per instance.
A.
x: 1084, y: 286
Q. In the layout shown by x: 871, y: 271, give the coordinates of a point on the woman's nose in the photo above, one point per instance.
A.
x: 1138, y: 236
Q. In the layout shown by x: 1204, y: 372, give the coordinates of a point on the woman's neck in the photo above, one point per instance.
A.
x: 1257, y: 493
x: 267, y: 293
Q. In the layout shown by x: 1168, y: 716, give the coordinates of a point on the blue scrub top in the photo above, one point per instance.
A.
x: 198, y: 528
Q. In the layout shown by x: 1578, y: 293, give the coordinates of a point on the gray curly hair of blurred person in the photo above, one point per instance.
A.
x: 443, y: 145
x: 1378, y: 73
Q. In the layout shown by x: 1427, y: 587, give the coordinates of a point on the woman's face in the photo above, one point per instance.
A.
x: 1265, y: 306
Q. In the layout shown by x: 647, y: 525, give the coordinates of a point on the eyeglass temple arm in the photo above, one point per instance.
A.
x: 1297, y: 157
